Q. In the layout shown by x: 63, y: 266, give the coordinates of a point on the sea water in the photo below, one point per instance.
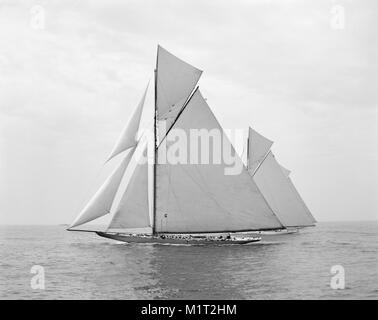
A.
x: 337, y: 260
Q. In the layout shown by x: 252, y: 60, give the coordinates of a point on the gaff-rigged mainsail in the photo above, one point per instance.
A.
x: 201, y: 197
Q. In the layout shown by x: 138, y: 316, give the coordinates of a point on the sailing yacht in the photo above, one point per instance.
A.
x: 195, y: 202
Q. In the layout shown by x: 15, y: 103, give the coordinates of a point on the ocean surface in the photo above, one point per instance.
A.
x: 85, y: 266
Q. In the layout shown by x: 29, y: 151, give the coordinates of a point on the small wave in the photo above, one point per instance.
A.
x: 176, y: 244
x: 267, y: 243
x: 342, y: 243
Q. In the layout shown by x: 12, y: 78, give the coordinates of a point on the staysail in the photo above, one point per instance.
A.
x: 175, y: 80
x: 258, y: 147
x: 128, y: 137
x: 102, y: 201
x: 201, y: 197
x: 132, y: 211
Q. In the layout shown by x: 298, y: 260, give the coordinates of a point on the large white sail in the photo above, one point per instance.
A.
x: 258, y: 147
x: 128, y: 137
x: 175, y: 80
x: 305, y: 208
x: 102, y: 201
x: 133, y: 209
x: 287, y: 173
x: 201, y: 197
x: 276, y: 188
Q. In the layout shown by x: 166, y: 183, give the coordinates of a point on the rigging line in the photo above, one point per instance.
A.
x: 155, y: 145
x: 179, y: 113
x: 172, y: 105
x: 163, y: 91
x: 261, y: 162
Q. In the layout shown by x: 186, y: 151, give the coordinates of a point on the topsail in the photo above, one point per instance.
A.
x: 175, y: 80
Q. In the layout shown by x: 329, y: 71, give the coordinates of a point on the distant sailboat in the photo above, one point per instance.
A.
x: 180, y: 203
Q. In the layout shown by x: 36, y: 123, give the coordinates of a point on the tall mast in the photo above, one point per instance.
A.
x: 155, y: 147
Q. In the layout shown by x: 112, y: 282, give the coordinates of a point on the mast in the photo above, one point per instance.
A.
x: 155, y: 149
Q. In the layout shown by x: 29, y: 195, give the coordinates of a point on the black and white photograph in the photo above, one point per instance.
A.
x: 188, y: 150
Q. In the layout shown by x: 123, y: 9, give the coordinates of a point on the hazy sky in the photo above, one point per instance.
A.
x: 287, y: 68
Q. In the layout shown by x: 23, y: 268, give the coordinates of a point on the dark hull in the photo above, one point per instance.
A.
x: 176, y: 240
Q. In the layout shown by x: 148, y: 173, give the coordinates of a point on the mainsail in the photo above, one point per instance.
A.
x: 260, y: 146
x: 201, y: 197
x: 128, y: 137
x: 102, y: 201
x: 175, y: 80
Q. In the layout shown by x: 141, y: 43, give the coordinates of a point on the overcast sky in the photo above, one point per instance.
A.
x: 287, y: 68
